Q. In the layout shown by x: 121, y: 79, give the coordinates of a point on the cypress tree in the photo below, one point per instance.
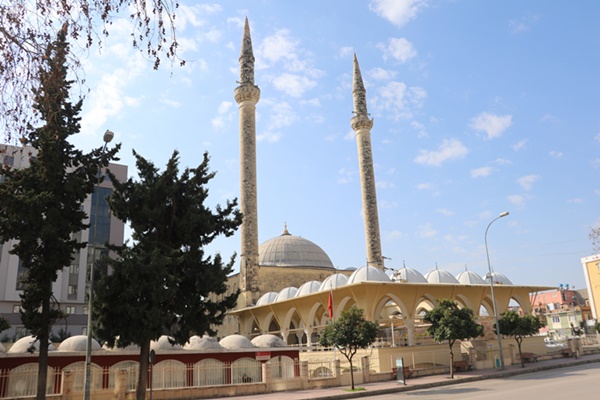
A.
x: 164, y: 282
x: 41, y: 204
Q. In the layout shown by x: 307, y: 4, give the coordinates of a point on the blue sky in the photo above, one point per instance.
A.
x: 479, y: 108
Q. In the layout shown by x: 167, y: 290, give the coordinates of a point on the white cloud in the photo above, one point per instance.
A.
x: 397, y: 99
x: 425, y: 186
x: 224, y: 107
x: 314, y: 102
x: 293, y: 85
x: 516, y: 199
x: 527, y: 181
x: 493, y: 125
x: 279, y: 46
x: 281, y: 115
x: 521, y: 25
x: 399, y: 49
x: 346, y: 51
x: 502, y: 161
x: 381, y: 74
x: 520, y: 145
x: 394, y: 235
x: 556, y: 154
x: 576, y: 200
x: 445, y: 212
x: 345, y: 175
x: 481, y: 172
x: 427, y: 231
x: 398, y: 12
x: 420, y: 128
x: 224, y: 116
x: 449, y: 149
x: 171, y: 103
x: 384, y: 185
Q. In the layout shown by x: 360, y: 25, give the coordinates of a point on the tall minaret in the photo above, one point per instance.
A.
x: 362, y: 124
x: 247, y: 95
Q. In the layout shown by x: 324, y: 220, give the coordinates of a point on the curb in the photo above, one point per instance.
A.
x: 466, y: 379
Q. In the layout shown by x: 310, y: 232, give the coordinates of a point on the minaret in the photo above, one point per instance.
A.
x: 362, y: 124
x: 247, y: 95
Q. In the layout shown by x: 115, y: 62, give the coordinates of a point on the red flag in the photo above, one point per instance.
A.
x: 330, y: 303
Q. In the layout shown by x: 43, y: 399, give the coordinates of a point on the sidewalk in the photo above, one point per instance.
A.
x: 386, y: 387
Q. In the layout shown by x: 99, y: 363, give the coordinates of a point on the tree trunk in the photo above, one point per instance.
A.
x: 351, y: 373
x: 43, y: 354
x: 520, y: 353
x: 140, y: 391
x: 450, y: 343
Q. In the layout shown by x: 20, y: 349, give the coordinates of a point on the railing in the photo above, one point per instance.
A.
x: 22, y: 381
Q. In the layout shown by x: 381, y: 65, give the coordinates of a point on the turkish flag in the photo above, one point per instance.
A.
x: 330, y: 303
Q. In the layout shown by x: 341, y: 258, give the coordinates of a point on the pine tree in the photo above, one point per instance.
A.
x: 41, y: 204
x: 164, y: 282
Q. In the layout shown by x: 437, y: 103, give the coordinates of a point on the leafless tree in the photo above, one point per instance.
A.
x: 27, y: 26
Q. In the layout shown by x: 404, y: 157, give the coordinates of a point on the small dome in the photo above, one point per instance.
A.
x: 78, y: 343
x: 22, y: 345
x: 163, y: 344
x: 236, y: 342
x: 334, y: 281
x: 499, y: 279
x: 368, y: 274
x: 440, y: 276
x: 268, y: 340
x: 202, y: 343
x: 409, y: 275
x: 308, y: 288
x: 292, y: 251
x: 266, y: 298
x: 286, y: 293
x: 469, y: 278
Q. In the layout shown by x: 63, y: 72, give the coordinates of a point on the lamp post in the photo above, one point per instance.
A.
x: 498, y: 335
x: 108, y: 136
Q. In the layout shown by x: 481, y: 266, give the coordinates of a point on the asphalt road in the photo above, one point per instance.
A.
x: 580, y: 382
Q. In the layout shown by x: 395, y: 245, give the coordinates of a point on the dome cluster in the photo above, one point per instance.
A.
x: 372, y: 274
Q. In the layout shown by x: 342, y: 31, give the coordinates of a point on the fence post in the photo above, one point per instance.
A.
x: 67, y: 385
x: 266, y: 373
x: 120, y: 390
x: 366, y: 372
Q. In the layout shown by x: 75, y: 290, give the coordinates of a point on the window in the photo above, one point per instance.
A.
x: 556, y: 319
x: 21, y: 275
x: 70, y: 310
x: 16, y: 309
x: 72, y: 290
x: 85, y: 310
x: 8, y: 160
x: 74, y: 269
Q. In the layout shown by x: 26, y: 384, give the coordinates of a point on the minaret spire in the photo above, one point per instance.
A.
x: 247, y: 95
x: 359, y: 94
x: 246, y: 58
x: 362, y: 124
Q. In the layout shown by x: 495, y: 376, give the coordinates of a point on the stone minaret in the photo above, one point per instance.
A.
x: 247, y: 95
x: 362, y: 124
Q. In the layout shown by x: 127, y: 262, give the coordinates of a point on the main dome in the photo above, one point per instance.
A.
x: 292, y: 251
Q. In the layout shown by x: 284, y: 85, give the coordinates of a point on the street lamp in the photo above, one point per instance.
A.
x: 108, y: 136
x: 498, y: 335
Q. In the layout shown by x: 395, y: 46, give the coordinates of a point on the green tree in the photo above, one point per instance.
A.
x: 512, y: 324
x: 41, y: 204
x: 4, y: 325
x: 451, y: 323
x: 27, y: 27
x: 350, y: 333
x: 164, y: 283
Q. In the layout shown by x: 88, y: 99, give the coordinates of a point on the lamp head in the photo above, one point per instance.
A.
x: 504, y: 214
x: 108, y: 136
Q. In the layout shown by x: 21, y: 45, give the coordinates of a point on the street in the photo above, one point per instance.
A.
x: 564, y: 383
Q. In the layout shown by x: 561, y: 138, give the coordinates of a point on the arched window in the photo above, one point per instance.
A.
x: 209, y: 372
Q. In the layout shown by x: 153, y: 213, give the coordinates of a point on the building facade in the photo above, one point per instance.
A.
x: 591, y: 271
x: 70, y: 287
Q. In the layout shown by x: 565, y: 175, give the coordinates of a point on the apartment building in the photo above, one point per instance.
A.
x: 70, y: 287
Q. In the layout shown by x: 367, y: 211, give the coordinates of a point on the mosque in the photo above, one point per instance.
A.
x: 286, y: 282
